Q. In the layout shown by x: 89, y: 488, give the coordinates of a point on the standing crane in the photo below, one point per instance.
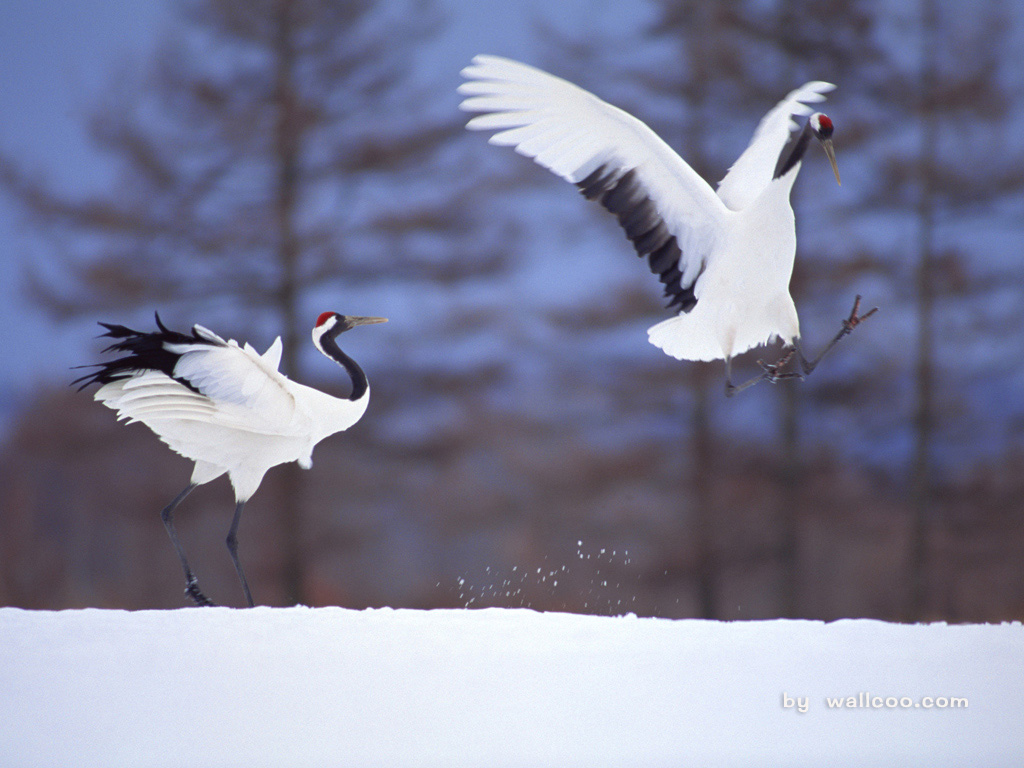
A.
x: 725, y: 259
x: 226, y: 407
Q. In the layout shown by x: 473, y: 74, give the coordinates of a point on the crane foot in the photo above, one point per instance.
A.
x: 856, y: 319
x: 773, y: 372
x: 193, y: 591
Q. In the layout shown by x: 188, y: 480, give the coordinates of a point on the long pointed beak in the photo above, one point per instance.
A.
x: 826, y: 144
x: 366, y: 320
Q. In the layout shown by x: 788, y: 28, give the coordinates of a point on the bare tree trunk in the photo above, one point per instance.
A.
x: 924, y: 426
x: 703, y: 472
x: 789, y: 513
x: 789, y: 419
x: 286, y: 146
x: 701, y: 491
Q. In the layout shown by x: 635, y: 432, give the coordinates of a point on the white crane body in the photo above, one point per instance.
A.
x: 237, y: 415
x: 725, y: 259
x: 226, y: 407
x: 744, y: 303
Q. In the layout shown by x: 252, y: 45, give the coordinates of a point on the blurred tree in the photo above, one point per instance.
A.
x: 962, y: 161
x: 273, y: 149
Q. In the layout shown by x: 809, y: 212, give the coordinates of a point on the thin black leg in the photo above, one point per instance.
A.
x: 232, y: 542
x: 191, y: 584
x: 848, y: 325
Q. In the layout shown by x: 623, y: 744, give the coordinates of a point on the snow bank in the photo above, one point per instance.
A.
x: 497, y: 687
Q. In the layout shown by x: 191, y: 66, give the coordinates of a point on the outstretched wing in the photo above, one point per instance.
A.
x: 246, y: 388
x: 200, y: 378
x: 669, y: 213
x: 753, y: 171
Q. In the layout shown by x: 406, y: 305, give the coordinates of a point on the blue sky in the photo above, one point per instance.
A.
x: 58, y: 57
x: 55, y: 56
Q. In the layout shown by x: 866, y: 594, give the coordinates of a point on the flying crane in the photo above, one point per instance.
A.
x: 725, y: 259
x: 226, y: 407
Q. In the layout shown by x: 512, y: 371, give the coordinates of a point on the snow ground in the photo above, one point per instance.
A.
x: 498, y: 687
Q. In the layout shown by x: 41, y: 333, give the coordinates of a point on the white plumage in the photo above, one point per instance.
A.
x: 237, y: 414
x: 726, y: 259
x: 226, y: 407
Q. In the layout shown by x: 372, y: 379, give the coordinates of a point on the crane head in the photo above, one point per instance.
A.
x: 821, y: 126
x: 333, y: 323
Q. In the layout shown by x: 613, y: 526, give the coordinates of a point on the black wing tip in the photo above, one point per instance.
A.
x: 623, y: 194
x: 159, y: 323
x: 123, y: 330
x: 116, y: 331
x: 89, y: 378
x: 683, y: 298
x: 105, y: 373
x: 595, y: 182
x: 143, y: 350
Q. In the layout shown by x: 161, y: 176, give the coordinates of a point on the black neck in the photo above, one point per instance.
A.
x: 359, y: 382
x: 793, y: 152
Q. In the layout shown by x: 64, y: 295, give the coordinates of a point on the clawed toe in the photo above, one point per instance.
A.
x: 773, y: 371
x: 193, y: 591
x: 856, y: 319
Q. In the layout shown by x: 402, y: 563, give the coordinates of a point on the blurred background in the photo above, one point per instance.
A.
x: 247, y: 165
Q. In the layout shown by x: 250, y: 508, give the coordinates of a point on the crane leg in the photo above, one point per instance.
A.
x: 191, y: 584
x: 849, y: 324
x: 232, y: 542
x: 771, y: 374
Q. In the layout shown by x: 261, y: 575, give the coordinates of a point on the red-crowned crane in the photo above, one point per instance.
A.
x: 226, y: 407
x: 725, y: 259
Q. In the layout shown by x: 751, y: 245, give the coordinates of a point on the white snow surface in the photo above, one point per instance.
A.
x: 498, y: 687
